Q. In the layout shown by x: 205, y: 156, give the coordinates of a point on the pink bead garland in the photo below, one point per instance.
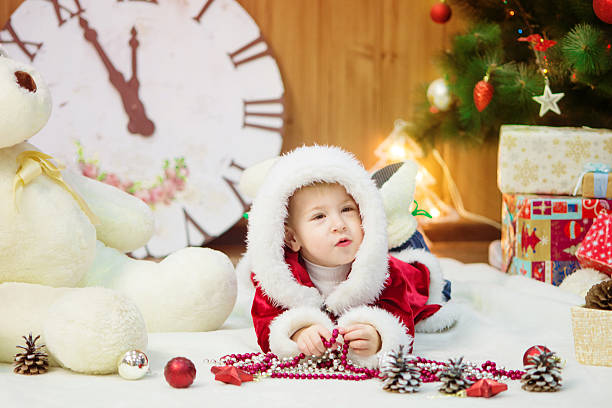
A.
x: 334, y: 364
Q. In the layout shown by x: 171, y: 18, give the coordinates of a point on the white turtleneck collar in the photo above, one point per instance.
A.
x: 326, y: 278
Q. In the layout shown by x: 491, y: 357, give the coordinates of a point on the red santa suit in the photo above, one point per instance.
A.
x: 389, y: 293
x: 404, y: 295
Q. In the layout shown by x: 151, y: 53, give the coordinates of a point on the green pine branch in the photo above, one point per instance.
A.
x: 579, y: 65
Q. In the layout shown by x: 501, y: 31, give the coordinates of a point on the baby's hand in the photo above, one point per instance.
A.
x: 362, y: 338
x: 309, y: 340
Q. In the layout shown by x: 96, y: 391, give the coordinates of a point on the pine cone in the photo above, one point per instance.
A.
x: 400, y: 372
x: 600, y: 296
x: 543, y: 374
x: 454, y: 377
x: 32, y: 361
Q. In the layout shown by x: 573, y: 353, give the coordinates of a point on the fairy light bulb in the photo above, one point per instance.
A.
x: 434, y: 212
x: 397, y: 151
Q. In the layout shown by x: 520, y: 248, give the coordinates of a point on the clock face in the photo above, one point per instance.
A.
x: 167, y: 99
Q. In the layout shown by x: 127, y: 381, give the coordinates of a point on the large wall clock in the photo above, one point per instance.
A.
x: 167, y: 99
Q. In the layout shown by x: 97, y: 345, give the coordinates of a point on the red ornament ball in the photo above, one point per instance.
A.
x: 180, y: 372
x: 534, y: 351
x: 603, y: 10
x: 440, y: 13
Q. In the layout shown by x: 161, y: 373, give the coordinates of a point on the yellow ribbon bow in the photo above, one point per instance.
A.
x: 32, y: 164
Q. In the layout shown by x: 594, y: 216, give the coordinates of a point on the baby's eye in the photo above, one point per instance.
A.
x: 347, y: 209
x: 318, y: 216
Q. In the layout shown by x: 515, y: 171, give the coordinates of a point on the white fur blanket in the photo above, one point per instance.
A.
x: 502, y: 317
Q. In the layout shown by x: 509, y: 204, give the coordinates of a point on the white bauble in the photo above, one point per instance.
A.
x: 439, y: 95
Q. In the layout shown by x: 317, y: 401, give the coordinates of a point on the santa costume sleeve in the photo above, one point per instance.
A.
x: 274, y: 325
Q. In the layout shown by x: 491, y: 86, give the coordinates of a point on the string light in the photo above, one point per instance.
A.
x: 520, y: 31
x: 399, y: 142
x: 397, y: 152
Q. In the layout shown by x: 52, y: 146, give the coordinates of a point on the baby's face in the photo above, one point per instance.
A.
x: 324, y: 224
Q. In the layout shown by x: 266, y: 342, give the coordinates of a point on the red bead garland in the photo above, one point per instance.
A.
x: 269, y: 359
x: 335, y: 366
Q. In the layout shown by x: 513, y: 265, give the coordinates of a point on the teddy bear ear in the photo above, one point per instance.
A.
x: 253, y: 177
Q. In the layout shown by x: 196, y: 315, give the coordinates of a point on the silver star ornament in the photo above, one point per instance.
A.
x: 548, y: 101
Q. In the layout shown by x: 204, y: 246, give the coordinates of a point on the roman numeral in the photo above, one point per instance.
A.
x: 61, y: 10
x: 250, y: 115
x: 34, y: 47
x: 190, y: 221
x: 201, y: 13
x: 240, y: 57
x: 143, y: 1
x: 232, y: 185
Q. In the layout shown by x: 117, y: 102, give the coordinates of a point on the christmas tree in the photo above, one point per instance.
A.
x: 532, y: 62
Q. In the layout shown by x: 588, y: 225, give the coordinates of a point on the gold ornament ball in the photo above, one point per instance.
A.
x: 438, y: 94
x: 133, y: 365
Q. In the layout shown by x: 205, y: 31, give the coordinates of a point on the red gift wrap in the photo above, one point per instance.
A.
x: 596, y: 248
x: 541, y: 233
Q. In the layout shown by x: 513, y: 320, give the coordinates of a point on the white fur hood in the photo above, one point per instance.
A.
x: 266, y: 231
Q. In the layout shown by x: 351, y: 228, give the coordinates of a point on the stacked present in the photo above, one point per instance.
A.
x: 543, y: 224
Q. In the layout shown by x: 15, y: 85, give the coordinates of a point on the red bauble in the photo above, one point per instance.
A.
x: 534, y: 351
x: 180, y: 372
x: 440, y: 13
x: 483, y: 93
x: 603, y: 10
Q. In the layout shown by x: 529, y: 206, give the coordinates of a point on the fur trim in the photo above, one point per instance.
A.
x: 443, y: 319
x: 392, y: 331
x: 265, y: 239
x: 436, y: 279
x: 398, y: 194
x: 581, y: 281
x: 287, y: 323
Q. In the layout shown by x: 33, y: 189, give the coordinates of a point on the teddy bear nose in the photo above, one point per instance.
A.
x: 25, y: 81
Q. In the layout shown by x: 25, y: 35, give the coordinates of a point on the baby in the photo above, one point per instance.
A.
x: 324, y: 226
x: 317, y: 249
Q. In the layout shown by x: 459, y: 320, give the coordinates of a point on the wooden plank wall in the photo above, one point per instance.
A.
x: 351, y: 67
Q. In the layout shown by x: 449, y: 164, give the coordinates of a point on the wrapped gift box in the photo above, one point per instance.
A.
x: 595, y: 251
x: 541, y: 234
x: 548, y: 160
x: 597, y: 185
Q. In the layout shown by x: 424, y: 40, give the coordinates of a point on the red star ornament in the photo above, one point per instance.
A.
x: 486, y: 388
x: 231, y: 375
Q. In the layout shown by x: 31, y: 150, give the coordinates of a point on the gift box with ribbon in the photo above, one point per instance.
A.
x: 549, y: 160
x: 595, y: 251
x: 541, y: 234
x: 595, y: 180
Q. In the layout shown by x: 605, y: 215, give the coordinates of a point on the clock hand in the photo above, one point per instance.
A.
x: 138, y: 123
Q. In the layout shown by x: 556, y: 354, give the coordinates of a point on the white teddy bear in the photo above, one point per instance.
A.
x: 51, y: 253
